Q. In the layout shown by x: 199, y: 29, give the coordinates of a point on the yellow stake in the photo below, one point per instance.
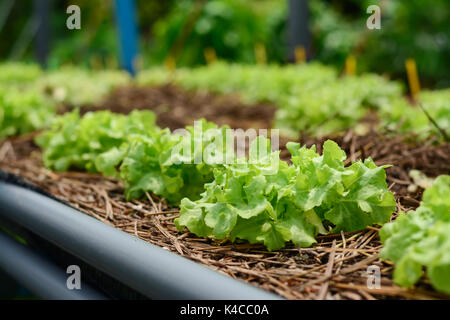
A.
x: 111, y: 62
x: 170, y: 63
x: 210, y: 55
x: 96, y: 62
x: 300, y: 54
x: 413, y: 77
x: 138, y: 63
x: 260, y: 53
x: 350, y: 66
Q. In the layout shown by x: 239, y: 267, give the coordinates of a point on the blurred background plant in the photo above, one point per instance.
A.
x: 231, y: 27
x: 416, y: 29
x: 183, y: 29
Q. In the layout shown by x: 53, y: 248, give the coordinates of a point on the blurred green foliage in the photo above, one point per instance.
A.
x: 399, y: 116
x: 30, y: 98
x: 231, y: 27
x: 418, y: 29
x: 95, y: 45
x: 310, y: 97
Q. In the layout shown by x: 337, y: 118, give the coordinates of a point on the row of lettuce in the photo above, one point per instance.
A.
x: 30, y: 98
x: 311, y: 98
x: 258, y: 198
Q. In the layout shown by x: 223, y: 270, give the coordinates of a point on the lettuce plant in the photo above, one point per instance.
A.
x: 79, y: 87
x: 23, y: 111
x: 400, y: 116
x: 420, y: 239
x: 164, y: 163
x: 265, y: 200
x: 133, y: 148
x: 15, y: 73
x: 95, y: 142
x: 310, y: 97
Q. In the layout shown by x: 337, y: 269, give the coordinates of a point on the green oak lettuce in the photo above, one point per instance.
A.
x: 79, y: 87
x: 420, y: 239
x: 310, y: 97
x: 96, y: 142
x: 399, y: 115
x: 21, y: 74
x: 351, y: 198
x: 23, y: 110
x: 131, y: 147
x: 164, y: 163
x: 333, y: 106
x: 265, y: 200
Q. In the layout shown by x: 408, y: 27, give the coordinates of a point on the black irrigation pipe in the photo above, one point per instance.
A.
x: 37, y: 274
x: 150, y: 270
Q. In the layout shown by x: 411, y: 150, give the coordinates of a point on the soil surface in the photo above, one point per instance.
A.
x: 175, y: 108
x: 335, y: 268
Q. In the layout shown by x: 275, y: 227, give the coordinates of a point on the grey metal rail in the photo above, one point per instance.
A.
x: 37, y: 274
x: 148, y: 269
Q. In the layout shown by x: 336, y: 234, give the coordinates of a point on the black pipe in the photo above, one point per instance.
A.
x: 150, y: 270
x: 102, y: 282
x: 42, y: 40
x: 37, y: 274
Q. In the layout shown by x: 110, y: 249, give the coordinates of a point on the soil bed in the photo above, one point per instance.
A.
x: 175, y: 108
x: 335, y: 268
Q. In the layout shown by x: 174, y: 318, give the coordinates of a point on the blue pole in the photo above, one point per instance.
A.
x: 128, y: 33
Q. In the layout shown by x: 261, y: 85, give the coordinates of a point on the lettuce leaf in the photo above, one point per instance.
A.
x: 421, y: 239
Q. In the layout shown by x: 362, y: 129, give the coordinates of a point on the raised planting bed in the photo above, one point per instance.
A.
x: 121, y: 265
x: 117, y: 265
x: 334, y: 268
